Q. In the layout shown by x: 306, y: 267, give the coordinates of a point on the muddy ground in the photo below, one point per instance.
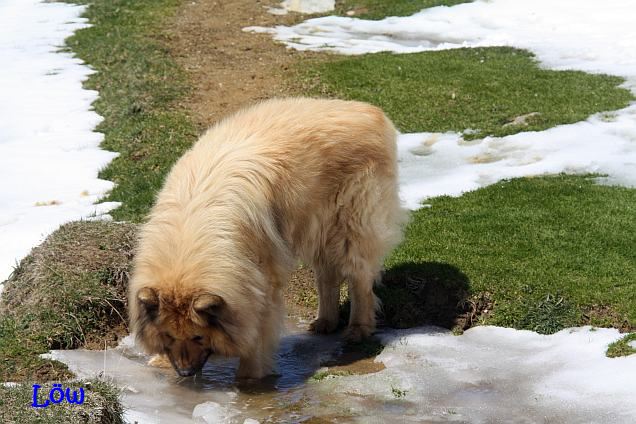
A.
x: 230, y: 68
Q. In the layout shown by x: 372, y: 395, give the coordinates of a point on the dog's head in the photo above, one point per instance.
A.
x: 186, y: 329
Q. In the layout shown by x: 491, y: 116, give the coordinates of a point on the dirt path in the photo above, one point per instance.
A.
x: 229, y: 68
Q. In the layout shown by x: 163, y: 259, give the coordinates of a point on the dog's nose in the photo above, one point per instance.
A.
x: 186, y: 372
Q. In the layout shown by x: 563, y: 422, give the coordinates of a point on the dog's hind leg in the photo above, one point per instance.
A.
x: 364, y: 304
x: 370, y: 226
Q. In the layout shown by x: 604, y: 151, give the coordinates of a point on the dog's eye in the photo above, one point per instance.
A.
x: 197, y: 339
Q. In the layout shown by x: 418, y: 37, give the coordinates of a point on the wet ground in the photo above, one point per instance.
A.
x: 423, y: 375
x: 155, y: 395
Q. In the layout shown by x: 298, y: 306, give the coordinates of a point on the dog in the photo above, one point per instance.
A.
x: 285, y: 180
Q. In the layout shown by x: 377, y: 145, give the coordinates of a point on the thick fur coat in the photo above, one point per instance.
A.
x: 286, y: 180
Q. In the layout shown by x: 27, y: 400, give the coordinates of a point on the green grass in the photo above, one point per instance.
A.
x: 69, y: 292
x: 139, y: 86
x: 481, y: 89
x: 622, y: 347
x: 549, y: 251
x: 379, y: 9
x: 398, y: 393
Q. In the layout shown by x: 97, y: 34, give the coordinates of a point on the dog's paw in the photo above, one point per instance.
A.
x: 323, y: 326
x: 160, y: 361
x: 357, y: 333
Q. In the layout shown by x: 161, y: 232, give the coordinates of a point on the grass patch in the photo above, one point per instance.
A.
x: 398, y: 393
x: 482, y: 89
x: 139, y: 86
x: 100, y: 405
x: 68, y: 292
x: 622, y: 347
x: 380, y: 9
x: 544, y: 249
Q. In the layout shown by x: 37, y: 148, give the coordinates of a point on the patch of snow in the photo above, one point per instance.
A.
x: 569, y: 34
x: 488, y: 374
x: 49, y: 155
x: 445, y: 164
x: 632, y: 344
x: 303, y: 6
x: 493, y: 374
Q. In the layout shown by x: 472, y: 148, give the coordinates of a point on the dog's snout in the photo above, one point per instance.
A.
x: 186, y: 372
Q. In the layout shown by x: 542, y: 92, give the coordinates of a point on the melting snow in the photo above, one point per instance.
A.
x: 49, y: 157
x: 303, y: 6
x: 492, y: 374
x: 569, y: 34
x: 444, y: 164
x: 488, y: 374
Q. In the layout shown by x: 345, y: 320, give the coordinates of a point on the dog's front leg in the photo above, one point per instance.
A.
x: 258, y: 364
x: 160, y: 361
x: 251, y: 367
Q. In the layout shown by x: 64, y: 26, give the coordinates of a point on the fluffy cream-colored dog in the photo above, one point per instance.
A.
x: 287, y: 179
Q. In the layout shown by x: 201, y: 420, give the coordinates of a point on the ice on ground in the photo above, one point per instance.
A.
x: 49, y: 155
x: 149, y: 395
x: 569, y: 34
x: 493, y: 374
x: 213, y: 413
x: 303, y: 6
x: 488, y: 374
x: 152, y: 395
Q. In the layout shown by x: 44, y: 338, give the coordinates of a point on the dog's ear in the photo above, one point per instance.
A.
x: 149, y: 302
x: 208, y: 307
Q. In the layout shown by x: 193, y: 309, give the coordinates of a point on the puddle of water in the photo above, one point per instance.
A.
x: 154, y: 395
